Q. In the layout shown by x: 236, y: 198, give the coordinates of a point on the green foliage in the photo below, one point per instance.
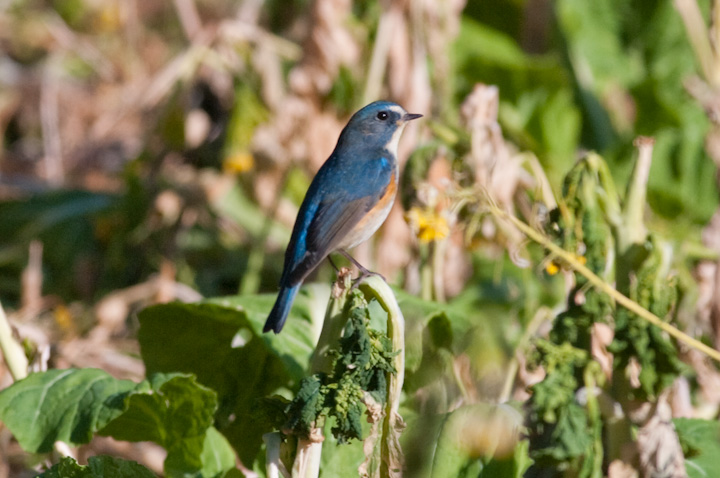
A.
x: 700, y: 440
x: 173, y: 411
x: 641, y: 50
x: 72, y: 406
x: 559, y: 428
x: 220, y: 343
x: 97, y: 467
x: 605, y: 74
x: 61, y: 405
x: 594, y: 78
x: 360, y: 365
x: 584, y: 222
x: 635, y: 338
x: 68, y: 217
x: 592, y: 221
x: 535, y: 93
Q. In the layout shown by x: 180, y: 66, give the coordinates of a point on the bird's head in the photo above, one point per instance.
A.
x: 377, y: 124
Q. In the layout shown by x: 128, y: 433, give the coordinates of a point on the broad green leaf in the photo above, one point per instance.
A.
x: 435, y: 333
x: 173, y: 411
x: 61, y: 405
x: 98, y: 467
x: 217, y: 455
x: 220, y: 341
x: 700, y: 440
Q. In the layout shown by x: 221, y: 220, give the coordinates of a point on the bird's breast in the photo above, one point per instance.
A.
x: 372, y: 221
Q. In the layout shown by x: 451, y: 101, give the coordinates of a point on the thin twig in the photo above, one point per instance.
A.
x: 49, y: 122
x: 378, y: 62
x: 189, y: 18
x: 698, y: 35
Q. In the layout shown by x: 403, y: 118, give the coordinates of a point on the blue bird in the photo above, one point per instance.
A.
x: 347, y: 201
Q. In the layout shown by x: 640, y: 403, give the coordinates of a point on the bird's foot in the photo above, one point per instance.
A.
x: 363, y: 272
x: 362, y: 276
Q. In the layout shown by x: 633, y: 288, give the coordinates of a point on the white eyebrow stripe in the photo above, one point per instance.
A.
x: 397, y: 109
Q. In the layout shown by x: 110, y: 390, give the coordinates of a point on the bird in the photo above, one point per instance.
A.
x: 347, y: 201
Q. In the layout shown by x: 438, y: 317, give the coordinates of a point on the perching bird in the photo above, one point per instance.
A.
x: 347, y: 201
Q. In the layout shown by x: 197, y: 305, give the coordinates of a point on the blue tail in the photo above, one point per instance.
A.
x: 281, y: 309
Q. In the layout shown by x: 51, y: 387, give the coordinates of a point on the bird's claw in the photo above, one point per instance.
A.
x: 363, y: 275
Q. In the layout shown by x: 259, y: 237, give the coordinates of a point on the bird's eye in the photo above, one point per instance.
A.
x: 382, y: 116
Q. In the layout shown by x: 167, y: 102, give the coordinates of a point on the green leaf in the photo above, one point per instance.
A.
x: 308, y: 403
x: 61, y: 405
x: 419, y: 314
x: 440, y: 331
x: 594, y: 35
x: 477, y: 40
x: 217, y: 457
x: 98, y: 467
x: 220, y: 341
x: 700, y: 440
x: 173, y: 411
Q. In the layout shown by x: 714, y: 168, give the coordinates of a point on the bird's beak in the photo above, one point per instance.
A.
x: 410, y: 116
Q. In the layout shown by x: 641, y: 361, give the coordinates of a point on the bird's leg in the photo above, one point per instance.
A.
x: 363, y: 271
x: 337, y: 270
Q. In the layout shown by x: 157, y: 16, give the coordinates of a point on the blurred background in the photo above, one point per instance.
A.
x: 159, y: 150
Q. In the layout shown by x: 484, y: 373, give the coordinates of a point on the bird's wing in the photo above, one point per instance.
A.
x: 333, y: 220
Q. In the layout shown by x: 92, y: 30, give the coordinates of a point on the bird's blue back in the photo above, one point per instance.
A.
x: 360, y: 167
x: 347, y: 200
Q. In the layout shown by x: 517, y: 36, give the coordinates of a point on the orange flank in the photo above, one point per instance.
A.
x: 383, y: 204
x: 374, y: 217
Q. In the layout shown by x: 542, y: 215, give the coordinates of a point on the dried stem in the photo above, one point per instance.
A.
x: 12, y: 351
x: 635, y: 231
x: 698, y: 35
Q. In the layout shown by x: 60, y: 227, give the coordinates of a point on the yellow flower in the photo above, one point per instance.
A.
x: 63, y: 318
x: 239, y: 162
x: 428, y: 225
x: 553, y: 267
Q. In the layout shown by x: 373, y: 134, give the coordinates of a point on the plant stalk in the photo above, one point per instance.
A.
x: 12, y: 351
x: 391, y: 453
